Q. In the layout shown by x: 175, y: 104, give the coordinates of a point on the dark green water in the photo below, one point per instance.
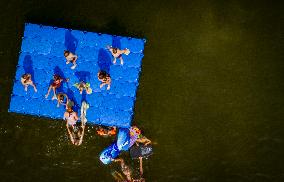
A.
x: 210, y: 94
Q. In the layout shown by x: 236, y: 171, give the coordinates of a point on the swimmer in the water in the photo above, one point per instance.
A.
x: 128, y: 172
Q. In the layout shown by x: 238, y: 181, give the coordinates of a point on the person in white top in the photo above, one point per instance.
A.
x: 70, y: 57
x: 117, y: 53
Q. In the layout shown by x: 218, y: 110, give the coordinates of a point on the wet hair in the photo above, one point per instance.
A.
x: 114, y: 50
x: 56, y: 77
x: 61, y: 97
x: 26, y: 77
x: 69, y: 110
x: 82, y: 85
x: 66, y: 53
x: 102, y: 75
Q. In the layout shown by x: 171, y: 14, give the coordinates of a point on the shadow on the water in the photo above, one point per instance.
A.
x: 71, y: 42
x: 104, y: 60
x: 28, y: 66
x: 116, y: 42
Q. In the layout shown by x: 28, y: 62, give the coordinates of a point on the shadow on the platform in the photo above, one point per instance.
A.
x: 71, y: 96
x: 28, y: 66
x: 71, y: 42
x: 84, y: 76
x: 116, y: 42
x: 104, y: 60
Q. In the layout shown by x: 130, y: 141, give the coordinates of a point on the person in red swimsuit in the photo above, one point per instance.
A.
x: 57, y: 80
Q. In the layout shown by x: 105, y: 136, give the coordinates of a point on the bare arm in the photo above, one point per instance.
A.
x: 144, y: 140
x: 141, y: 166
x: 76, y: 116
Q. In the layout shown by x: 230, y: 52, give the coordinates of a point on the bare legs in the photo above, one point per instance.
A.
x: 26, y: 87
x: 70, y: 134
x: 121, y: 60
x: 103, y: 84
x: 54, y: 94
x: 34, y: 87
x: 74, y: 64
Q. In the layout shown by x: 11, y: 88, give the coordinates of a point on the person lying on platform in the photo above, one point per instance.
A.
x: 70, y: 57
x: 26, y: 80
x: 117, y: 53
x: 57, y: 80
x: 105, y: 78
x: 106, y: 131
x: 83, y: 86
x: 71, y: 118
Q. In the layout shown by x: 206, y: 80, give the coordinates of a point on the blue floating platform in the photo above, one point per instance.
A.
x: 42, y: 56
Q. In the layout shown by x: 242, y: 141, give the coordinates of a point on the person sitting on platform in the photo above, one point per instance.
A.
x: 70, y: 57
x: 83, y: 86
x: 117, y: 53
x: 63, y: 99
x: 26, y: 80
x: 105, y: 78
x: 57, y: 80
